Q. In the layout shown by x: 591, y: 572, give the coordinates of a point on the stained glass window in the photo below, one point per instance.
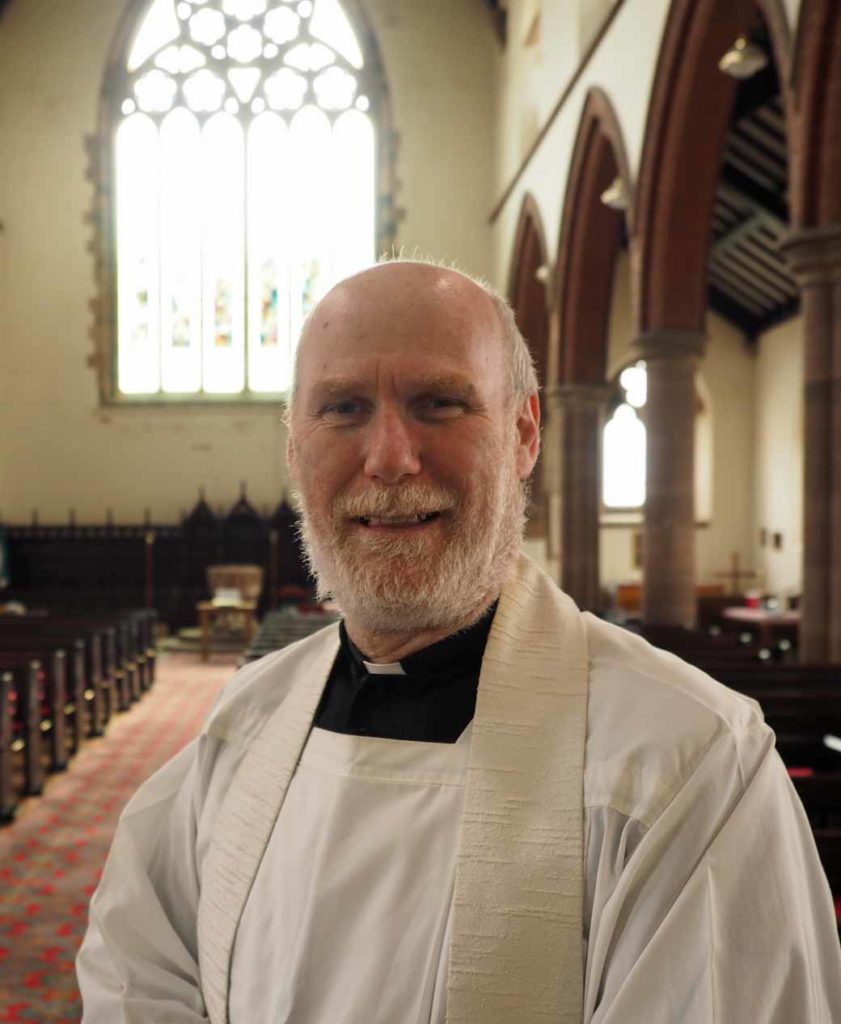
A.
x: 244, y: 185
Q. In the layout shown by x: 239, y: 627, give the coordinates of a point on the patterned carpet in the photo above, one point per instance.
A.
x: 51, y: 857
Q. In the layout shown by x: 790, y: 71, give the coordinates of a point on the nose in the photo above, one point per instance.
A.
x: 391, y: 451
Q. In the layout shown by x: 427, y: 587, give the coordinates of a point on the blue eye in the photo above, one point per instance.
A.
x: 348, y: 410
x: 440, y: 408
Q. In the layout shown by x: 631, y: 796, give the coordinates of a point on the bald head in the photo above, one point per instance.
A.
x: 410, y: 299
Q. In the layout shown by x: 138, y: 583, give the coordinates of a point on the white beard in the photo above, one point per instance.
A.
x: 395, y: 584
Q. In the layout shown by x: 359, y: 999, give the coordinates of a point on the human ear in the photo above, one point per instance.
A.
x: 291, y: 461
x: 528, y: 436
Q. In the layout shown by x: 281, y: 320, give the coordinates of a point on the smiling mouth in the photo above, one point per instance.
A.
x: 398, y: 521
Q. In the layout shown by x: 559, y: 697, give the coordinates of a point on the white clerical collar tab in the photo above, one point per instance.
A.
x: 392, y: 669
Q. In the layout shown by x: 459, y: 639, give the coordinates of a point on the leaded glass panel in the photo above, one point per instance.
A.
x: 245, y: 171
x: 138, y: 255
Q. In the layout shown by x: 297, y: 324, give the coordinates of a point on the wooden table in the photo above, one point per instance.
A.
x: 765, y: 622
x: 208, y: 611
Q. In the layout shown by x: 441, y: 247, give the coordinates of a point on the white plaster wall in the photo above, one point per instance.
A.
x: 532, y: 76
x: 779, y: 457
x: 441, y: 61
x: 58, y: 450
x: 792, y: 9
x: 727, y: 376
x: 623, y: 65
x: 533, y: 79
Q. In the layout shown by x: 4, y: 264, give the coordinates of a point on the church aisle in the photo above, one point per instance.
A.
x: 51, y: 857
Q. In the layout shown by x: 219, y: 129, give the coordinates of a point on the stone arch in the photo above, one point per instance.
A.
x: 527, y: 294
x: 590, y: 237
x: 816, y: 169
x: 680, y: 167
x: 688, y: 119
x: 527, y: 284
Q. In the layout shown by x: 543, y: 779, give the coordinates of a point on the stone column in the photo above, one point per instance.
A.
x: 815, y: 258
x: 580, y: 408
x: 672, y: 358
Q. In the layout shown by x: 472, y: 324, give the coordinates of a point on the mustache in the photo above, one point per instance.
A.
x: 398, y: 501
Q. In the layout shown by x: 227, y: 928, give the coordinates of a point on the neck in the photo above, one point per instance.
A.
x: 385, y: 648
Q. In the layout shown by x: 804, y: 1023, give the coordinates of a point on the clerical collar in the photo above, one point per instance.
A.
x: 458, y: 654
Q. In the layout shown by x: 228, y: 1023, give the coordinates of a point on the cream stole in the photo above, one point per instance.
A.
x: 517, y: 947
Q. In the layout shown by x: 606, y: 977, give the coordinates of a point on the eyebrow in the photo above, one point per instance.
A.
x: 453, y: 384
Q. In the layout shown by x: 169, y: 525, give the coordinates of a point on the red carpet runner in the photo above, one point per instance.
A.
x: 51, y: 857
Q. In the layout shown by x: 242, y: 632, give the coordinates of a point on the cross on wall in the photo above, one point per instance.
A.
x: 736, y: 573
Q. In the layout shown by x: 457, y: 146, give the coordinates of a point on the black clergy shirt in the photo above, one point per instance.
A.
x: 433, y: 700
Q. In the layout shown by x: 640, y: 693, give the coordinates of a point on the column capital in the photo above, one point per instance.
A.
x: 578, y: 396
x: 670, y: 343
x: 814, y: 254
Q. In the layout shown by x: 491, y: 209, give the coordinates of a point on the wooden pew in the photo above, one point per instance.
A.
x: 74, y: 683
x: 828, y: 841
x: 26, y: 685
x: 137, y: 638
x: 820, y: 794
x: 279, y: 629
x: 147, y: 619
x: 801, y: 703
x: 8, y: 701
x: 769, y: 673
x: 716, y: 644
x: 815, y: 711
x: 86, y: 683
x: 805, y: 750
x: 678, y: 639
x: 133, y: 671
x: 55, y: 709
x: 121, y: 661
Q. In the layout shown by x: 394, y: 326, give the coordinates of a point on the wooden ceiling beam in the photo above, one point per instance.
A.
x: 732, y: 310
x: 752, y: 192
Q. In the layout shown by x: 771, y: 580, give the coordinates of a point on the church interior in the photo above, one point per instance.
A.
x: 654, y: 185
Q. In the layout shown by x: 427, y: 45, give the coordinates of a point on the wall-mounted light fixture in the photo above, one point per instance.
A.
x: 744, y: 59
x: 616, y: 195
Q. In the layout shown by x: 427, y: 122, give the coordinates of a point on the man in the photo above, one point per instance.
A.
x: 470, y: 803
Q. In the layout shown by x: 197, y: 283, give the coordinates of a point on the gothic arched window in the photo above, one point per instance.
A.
x: 242, y: 185
x: 624, y: 447
x: 623, y: 451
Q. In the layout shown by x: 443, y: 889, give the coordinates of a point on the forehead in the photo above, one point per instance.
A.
x: 400, y: 320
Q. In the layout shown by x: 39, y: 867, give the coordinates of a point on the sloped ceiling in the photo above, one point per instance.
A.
x: 749, y: 282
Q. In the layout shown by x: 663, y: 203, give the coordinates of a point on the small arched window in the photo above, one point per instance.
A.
x: 623, y: 454
x: 242, y: 187
x: 624, y: 447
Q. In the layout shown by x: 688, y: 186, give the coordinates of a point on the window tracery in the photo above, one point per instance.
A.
x: 241, y: 184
